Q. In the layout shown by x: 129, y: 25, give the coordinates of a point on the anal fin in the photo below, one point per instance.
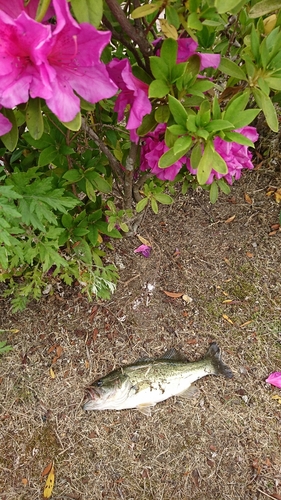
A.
x: 145, y: 408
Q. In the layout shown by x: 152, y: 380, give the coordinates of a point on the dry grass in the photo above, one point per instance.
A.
x: 225, y: 445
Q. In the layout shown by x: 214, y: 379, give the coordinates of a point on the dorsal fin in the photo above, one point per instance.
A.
x: 173, y: 355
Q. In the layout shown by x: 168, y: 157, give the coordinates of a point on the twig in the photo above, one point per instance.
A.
x: 129, y: 29
x: 122, y: 39
x: 115, y: 165
x: 266, y: 494
x: 128, y: 183
x: 139, y: 185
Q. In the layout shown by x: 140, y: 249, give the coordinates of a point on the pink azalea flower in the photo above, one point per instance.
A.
x: 152, y: 149
x: 73, y: 64
x: 5, y: 125
x: 235, y: 155
x: 145, y: 250
x: 134, y: 93
x: 21, y: 42
x: 187, y: 48
x: 274, y: 379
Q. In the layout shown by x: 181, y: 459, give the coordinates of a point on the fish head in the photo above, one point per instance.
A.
x: 108, y: 392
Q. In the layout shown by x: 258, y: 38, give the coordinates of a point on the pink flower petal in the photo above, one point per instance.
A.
x: 145, y: 250
x: 274, y: 379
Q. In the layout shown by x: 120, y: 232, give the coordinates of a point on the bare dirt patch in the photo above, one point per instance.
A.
x: 223, y: 445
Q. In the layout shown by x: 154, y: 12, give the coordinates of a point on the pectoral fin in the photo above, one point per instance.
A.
x: 145, y: 408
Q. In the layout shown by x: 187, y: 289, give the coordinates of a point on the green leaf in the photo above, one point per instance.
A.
x: 159, y: 68
x: 172, y: 16
x: 244, y: 118
x: 255, y: 44
x: 154, y: 205
x: 163, y: 198
x: 88, y: 11
x: 145, y: 10
x: 182, y: 144
x: 101, y: 184
x: 158, y: 88
x: 231, y: 68
x: 218, y: 125
x: 45, y: 141
x: 177, y: 130
x: 10, y: 139
x: 42, y: 8
x: 178, y: 111
x: 141, y: 205
x: 148, y: 124
x: 214, y: 192
x: 169, y: 51
x: 67, y: 221
x: 169, y: 158
x: 273, y: 83
x: 239, y: 138
x: 162, y: 114
x: 223, y: 6
x: 265, y: 103
x: 103, y: 228
x: 196, y: 155
x: 74, y: 124
x: 264, y: 7
x: 47, y: 156
x: 90, y: 190
x: 210, y: 160
x: 193, y: 22
x: 72, y: 175
x: 224, y: 187
x: 236, y: 104
x: 34, y: 118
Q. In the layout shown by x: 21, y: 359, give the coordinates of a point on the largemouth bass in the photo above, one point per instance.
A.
x: 147, y: 382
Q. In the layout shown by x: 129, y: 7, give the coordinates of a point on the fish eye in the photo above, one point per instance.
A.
x: 99, y: 383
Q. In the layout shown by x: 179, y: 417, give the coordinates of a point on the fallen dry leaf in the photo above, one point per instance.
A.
x: 227, y: 319
x: 250, y: 255
x: 47, y: 469
x: 24, y: 481
x: 144, y: 241
x: 49, y: 485
x: 248, y: 199
x: 173, y: 295
x: 52, y: 348
x: 52, y: 373
x: 275, y: 227
x: 277, y: 195
x: 59, y: 351
x: 230, y: 219
x: 272, y: 233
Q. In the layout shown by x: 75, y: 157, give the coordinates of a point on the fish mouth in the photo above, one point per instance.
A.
x: 92, y: 393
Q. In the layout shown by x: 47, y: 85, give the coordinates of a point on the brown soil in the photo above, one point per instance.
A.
x: 222, y: 445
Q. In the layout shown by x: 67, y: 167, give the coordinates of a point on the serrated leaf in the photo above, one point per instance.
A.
x: 88, y: 11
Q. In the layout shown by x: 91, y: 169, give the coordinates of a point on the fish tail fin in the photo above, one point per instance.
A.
x: 214, y: 356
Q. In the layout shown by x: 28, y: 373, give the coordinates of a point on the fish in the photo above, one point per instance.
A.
x: 146, y: 382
